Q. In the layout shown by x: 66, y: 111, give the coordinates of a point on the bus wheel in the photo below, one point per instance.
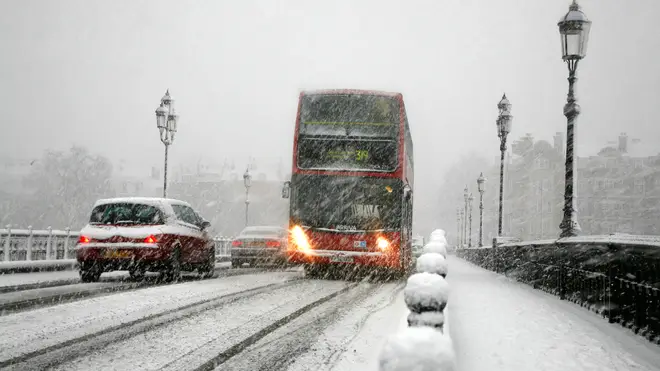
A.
x: 311, y: 270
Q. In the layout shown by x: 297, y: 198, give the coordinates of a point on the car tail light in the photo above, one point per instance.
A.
x: 237, y: 243
x: 83, y: 239
x: 151, y: 239
x: 272, y: 243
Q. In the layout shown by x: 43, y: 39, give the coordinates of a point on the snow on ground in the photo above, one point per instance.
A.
x: 498, y: 324
x: 25, y: 332
x: 17, y: 279
x: 418, y: 348
x: 188, y: 343
x: 354, y: 341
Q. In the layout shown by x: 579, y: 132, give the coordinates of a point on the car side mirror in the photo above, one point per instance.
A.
x: 286, y: 190
x: 205, y: 224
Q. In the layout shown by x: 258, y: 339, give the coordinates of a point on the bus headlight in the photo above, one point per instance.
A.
x: 382, y: 243
x: 300, y: 238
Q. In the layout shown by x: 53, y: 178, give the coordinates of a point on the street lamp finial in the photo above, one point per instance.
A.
x: 575, y: 5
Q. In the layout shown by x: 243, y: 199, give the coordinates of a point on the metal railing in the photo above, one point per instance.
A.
x: 52, y: 244
x: 29, y: 244
x: 616, y: 276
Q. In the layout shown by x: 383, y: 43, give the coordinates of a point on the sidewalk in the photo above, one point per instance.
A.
x: 499, y: 324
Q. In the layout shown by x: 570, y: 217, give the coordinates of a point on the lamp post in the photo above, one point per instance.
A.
x: 166, y: 120
x: 470, y: 199
x: 503, y: 129
x: 462, y: 219
x: 247, y: 180
x: 458, y: 227
x: 466, y: 195
x: 480, y: 186
x: 574, y: 30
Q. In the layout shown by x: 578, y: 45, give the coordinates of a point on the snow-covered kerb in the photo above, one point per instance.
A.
x: 25, y: 245
x: 424, y: 345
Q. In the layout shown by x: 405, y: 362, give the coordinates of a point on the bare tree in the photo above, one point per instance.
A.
x: 66, y: 184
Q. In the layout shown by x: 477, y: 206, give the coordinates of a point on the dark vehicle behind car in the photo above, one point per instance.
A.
x: 260, y: 246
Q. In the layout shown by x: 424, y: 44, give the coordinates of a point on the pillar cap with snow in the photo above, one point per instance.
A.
x: 432, y: 263
x: 426, y: 292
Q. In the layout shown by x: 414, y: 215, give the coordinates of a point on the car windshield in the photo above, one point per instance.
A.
x: 126, y: 214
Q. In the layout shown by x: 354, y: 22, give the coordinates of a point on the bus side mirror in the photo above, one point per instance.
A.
x: 286, y: 190
x: 407, y: 193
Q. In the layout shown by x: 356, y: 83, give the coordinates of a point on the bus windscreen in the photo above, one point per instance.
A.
x: 349, y: 115
x: 346, y: 154
x: 347, y: 203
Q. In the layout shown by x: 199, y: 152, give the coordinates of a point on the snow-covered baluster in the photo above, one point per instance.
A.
x: 28, y: 246
x: 432, y: 263
x: 66, y: 243
x: 426, y: 292
x: 49, y: 242
x: 7, y: 242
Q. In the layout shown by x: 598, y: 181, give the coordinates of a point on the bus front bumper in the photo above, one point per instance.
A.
x: 343, y: 257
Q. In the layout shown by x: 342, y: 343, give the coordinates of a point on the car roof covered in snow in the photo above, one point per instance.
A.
x: 152, y: 201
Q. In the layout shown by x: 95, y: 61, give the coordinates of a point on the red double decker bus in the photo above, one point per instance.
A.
x: 351, y: 188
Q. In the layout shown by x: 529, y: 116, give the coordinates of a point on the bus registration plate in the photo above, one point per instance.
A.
x: 341, y: 259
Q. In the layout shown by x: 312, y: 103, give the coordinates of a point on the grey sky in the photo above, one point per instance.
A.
x: 92, y: 72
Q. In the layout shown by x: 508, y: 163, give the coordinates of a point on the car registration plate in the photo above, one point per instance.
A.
x: 341, y: 259
x: 117, y: 254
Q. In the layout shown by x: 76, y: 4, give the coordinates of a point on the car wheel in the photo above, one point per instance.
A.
x: 173, y: 270
x: 90, y: 274
x: 235, y: 263
x: 207, y: 268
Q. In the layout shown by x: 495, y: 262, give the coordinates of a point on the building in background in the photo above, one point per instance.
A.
x: 216, y: 189
x: 617, y: 189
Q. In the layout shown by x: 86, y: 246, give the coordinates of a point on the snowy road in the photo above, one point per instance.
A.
x: 50, y: 288
x: 27, y: 281
x: 498, y: 324
x: 282, y: 321
x: 269, y: 321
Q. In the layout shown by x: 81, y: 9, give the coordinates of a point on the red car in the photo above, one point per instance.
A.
x: 145, y: 234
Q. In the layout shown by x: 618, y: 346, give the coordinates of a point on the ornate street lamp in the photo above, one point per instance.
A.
x: 470, y: 199
x: 247, y: 181
x: 574, y: 30
x: 466, y: 195
x: 480, y: 186
x: 503, y: 129
x: 166, y: 121
x: 458, y: 227
x: 462, y: 220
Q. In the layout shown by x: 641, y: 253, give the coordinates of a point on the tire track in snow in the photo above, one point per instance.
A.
x: 26, y: 299
x: 280, y: 348
x: 53, y: 355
